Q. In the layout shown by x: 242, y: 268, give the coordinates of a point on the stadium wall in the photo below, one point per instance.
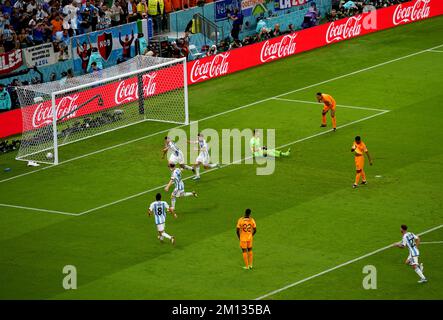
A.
x: 256, y: 54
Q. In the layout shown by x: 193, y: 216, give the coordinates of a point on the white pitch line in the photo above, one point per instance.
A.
x: 231, y: 110
x: 431, y: 242
x: 337, y: 267
x: 432, y: 50
x: 38, y: 209
x: 338, y: 105
x: 234, y: 162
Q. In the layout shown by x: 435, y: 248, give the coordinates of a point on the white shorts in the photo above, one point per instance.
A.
x: 176, y: 159
x: 161, y: 227
x: 203, y: 158
x: 413, y: 261
x: 178, y: 193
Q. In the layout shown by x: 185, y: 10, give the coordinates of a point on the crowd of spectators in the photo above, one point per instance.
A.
x: 25, y: 23
x: 347, y: 8
x: 49, y: 20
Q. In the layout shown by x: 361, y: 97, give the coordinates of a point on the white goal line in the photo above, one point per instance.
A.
x: 337, y: 267
x: 231, y: 110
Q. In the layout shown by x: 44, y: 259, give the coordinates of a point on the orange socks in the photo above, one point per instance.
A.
x: 245, y: 258
x: 334, y: 122
x: 250, y: 257
x: 363, y: 175
x: 323, y: 119
x: 357, y: 177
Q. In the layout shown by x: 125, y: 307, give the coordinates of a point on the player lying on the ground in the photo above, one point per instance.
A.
x: 329, y: 104
x: 359, y: 149
x: 246, y: 229
x: 159, y: 208
x: 259, y: 151
x: 179, y: 190
x: 176, y: 156
x: 203, y: 156
x: 412, y: 241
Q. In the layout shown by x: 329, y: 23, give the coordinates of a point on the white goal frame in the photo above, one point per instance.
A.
x: 55, y: 147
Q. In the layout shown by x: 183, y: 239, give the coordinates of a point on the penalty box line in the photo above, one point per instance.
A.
x: 231, y: 110
x: 235, y: 162
x: 338, y: 105
x: 337, y: 267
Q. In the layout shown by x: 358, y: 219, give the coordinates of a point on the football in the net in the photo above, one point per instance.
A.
x: 49, y: 155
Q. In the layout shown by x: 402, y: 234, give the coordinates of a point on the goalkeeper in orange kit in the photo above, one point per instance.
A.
x: 246, y: 229
x: 359, y: 149
x: 329, y: 105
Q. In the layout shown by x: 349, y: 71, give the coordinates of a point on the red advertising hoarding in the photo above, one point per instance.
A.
x: 228, y: 62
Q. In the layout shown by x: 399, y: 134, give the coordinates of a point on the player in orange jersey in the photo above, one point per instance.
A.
x: 329, y: 104
x: 359, y: 149
x: 246, y: 229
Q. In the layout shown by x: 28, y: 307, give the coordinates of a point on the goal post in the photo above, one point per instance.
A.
x: 63, y: 112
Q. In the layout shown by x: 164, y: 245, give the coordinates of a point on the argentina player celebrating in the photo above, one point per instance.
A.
x: 203, y: 156
x: 177, y: 180
x: 176, y: 156
x: 412, y: 241
x: 159, y: 209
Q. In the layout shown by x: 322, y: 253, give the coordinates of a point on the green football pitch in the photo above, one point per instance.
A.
x: 315, y: 233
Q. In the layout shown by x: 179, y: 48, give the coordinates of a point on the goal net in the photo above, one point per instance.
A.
x: 72, y: 109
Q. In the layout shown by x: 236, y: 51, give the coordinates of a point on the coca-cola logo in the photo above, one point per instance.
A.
x: 348, y: 29
x: 66, y: 106
x: 417, y: 11
x: 215, y: 67
x: 127, y: 90
x: 283, y: 48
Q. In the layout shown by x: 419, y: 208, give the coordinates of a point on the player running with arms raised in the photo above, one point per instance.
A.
x: 159, y: 209
x: 203, y: 156
x: 179, y: 190
x: 412, y: 241
x: 176, y: 156
x: 246, y: 229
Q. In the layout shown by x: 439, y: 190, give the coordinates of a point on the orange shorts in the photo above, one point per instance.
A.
x: 359, y: 162
x: 326, y: 108
x: 246, y: 244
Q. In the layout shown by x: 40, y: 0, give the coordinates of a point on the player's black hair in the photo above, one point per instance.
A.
x: 166, y: 138
x: 318, y: 93
x: 357, y: 138
x: 404, y: 227
x: 172, y: 165
x: 247, y: 212
x: 158, y: 196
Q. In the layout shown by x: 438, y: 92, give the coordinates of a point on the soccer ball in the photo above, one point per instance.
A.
x: 49, y: 156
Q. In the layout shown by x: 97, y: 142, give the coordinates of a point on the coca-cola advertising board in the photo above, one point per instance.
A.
x: 228, y: 62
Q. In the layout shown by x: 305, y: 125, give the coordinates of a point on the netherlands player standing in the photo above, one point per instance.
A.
x: 329, y: 105
x: 412, y: 241
x: 176, y: 156
x: 246, y: 229
x: 203, y: 156
x: 179, y: 190
x: 159, y: 209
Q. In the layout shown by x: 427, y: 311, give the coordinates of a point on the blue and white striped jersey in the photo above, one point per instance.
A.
x: 159, y: 209
x: 173, y: 147
x: 203, y: 146
x: 409, y: 241
x: 177, y: 177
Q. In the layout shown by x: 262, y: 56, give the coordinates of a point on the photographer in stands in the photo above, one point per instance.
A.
x: 5, y: 99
